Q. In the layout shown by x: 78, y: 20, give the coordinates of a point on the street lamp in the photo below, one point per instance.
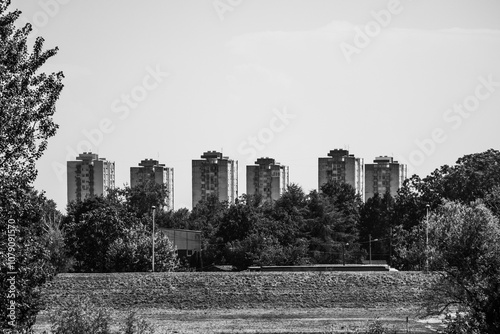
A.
x: 370, y: 245
x: 343, y: 252
x: 427, y: 238
x: 153, y: 237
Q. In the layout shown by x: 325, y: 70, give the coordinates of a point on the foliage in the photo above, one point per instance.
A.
x: 133, y: 326
x: 27, y: 104
x: 376, y: 327
x: 54, y: 242
x: 472, y: 178
x: 27, y: 100
x: 91, y: 227
x: 295, y: 229
x: 333, y: 224
x: 34, y: 263
x: 85, y: 318
x: 141, y: 198
x: 464, y: 246
x: 103, y: 234
x: 376, y: 220
x: 460, y: 323
x: 133, y: 253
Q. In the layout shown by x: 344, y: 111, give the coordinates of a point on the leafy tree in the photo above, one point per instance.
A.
x: 27, y: 104
x: 91, y: 227
x: 333, y: 223
x: 27, y: 100
x: 174, y: 218
x: 142, y: 197
x: 464, y: 246
x: 133, y: 252
x: 205, y: 217
x: 34, y: 262
x: 410, y: 205
x: 472, y: 178
x: 409, y: 247
x: 492, y: 200
x: 376, y: 220
x: 54, y: 241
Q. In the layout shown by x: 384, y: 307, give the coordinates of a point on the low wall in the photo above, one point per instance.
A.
x: 324, y: 267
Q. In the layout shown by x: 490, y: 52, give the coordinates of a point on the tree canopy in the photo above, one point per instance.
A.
x: 27, y: 104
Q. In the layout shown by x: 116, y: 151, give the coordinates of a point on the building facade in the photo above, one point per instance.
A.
x: 89, y: 176
x: 187, y: 242
x: 267, y: 178
x: 152, y: 170
x: 215, y: 175
x: 384, y: 175
x: 341, y: 166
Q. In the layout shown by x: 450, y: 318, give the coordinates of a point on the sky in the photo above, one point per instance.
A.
x: 287, y: 79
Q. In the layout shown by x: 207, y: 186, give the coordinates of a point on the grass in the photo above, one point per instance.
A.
x: 297, y: 302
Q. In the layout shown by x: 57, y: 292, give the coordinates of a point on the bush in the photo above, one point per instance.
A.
x: 85, y: 318
x: 374, y: 328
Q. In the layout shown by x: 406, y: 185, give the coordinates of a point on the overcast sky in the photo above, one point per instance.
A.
x: 288, y: 79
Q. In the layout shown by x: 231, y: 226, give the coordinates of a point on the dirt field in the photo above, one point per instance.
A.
x: 300, y: 302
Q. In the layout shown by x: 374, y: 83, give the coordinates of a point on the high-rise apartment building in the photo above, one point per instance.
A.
x: 341, y: 166
x: 89, y: 176
x: 215, y: 175
x: 152, y: 170
x: 267, y: 178
x: 384, y: 175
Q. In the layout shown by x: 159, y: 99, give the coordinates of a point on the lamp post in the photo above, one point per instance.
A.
x: 427, y: 238
x: 343, y: 252
x: 370, y: 245
x: 153, y: 237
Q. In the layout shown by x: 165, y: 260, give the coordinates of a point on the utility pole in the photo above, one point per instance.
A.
x: 370, y: 245
x: 343, y: 251
x: 427, y: 238
x: 153, y: 237
x: 390, y: 247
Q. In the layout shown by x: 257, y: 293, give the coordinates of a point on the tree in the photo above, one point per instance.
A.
x: 464, y: 247
x: 142, y: 197
x: 333, y: 223
x: 376, y: 220
x: 27, y: 100
x: 133, y: 252
x: 27, y: 104
x: 472, y: 178
x: 91, y: 227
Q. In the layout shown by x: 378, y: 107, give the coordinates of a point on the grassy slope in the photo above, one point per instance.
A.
x: 211, y: 296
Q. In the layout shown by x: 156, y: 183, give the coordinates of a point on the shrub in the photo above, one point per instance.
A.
x: 85, y: 318
x: 81, y: 318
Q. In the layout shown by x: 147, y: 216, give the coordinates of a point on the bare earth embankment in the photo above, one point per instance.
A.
x: 281, y: 302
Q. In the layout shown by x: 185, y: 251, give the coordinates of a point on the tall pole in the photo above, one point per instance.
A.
x: 343, y: 254
x: 370, y: 246
x: 427, y: 238
x: 153, y: 237
x: 390, y: 247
